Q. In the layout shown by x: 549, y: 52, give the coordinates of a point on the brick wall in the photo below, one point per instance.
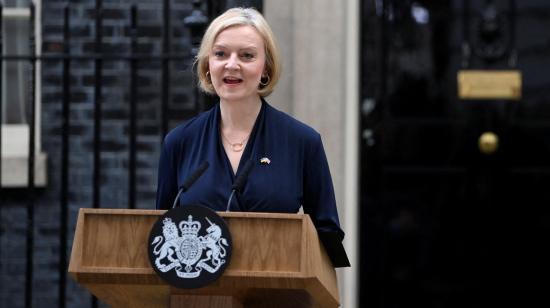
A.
x: 115, y: 126
x: 114, y: 146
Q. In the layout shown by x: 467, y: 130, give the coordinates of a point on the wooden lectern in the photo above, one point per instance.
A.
x: 277, y: 261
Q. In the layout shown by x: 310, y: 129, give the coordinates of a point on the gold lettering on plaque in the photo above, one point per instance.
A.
x: 489, y: 84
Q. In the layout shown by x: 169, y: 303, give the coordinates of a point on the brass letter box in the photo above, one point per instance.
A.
x: 489, y: 84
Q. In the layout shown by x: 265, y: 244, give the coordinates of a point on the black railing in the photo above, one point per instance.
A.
x: 1, y: 109
x: 165, y: 65
x: 99, y: 57
x: 133, y: 112
x: 64, y: 196
x: 69, y: 59
x: 30, y: 167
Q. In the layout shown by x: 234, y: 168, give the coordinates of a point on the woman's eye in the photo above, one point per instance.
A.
x: 219, y: 53
x: 248, y: 56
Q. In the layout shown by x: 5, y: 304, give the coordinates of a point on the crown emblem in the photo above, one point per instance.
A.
x: 190, y: 227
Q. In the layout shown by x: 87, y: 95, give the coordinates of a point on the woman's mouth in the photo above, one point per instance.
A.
x: 232, y: 80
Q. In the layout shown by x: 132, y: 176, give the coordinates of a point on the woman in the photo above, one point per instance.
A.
x: 238, y: 61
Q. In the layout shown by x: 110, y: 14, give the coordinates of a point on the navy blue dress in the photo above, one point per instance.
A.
x: 298, y: 172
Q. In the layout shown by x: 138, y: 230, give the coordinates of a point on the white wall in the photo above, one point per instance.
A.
x: 319, y: 42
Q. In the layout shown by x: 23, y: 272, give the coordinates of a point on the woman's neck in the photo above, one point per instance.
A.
x: 239, y: 115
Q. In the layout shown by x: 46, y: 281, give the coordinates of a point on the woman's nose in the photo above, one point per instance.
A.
x: 232, y: 62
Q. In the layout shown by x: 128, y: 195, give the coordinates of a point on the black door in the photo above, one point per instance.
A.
x: 444, y: 224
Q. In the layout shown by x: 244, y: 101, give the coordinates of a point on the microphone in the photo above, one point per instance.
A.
x: 191, y: 180
x: 238, y: 185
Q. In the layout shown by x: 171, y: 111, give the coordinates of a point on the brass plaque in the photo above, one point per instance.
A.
x: 490, y: 84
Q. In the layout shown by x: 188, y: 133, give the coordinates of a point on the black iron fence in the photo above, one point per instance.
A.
x: 199, y: 15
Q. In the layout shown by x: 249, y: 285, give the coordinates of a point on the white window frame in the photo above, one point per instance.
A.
x: 15, y: 137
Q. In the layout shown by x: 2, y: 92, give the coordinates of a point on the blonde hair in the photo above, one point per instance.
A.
x: 240, y: 17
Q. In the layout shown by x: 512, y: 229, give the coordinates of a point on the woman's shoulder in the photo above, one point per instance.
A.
x: 187, y: 129
x: 296, y: 127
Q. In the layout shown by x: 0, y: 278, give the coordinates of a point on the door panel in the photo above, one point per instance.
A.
x: 443, y: 224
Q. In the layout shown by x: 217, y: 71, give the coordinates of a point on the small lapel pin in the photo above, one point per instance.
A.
x: 265, y: 161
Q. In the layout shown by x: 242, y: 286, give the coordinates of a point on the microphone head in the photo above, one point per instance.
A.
x: 241, y: 178
x: 197, y: 174
x: 205, y: 164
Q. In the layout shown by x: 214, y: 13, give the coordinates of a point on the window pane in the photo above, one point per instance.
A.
x: 16, y: 3
x: 15, y: 74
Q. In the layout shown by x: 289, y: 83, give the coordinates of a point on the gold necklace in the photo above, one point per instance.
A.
x: 237, y: 146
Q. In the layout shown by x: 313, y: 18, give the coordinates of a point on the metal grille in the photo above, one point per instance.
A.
x: 99, y: 59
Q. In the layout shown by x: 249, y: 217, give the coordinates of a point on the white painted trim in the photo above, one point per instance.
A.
x: 38, y: 74
x: 15, y: 156
x: 15, y: 175
x: 15, y: 151
x: 23, y: 12
x: 16, y: 12
x: 350, y: 290
x: 15, y: 140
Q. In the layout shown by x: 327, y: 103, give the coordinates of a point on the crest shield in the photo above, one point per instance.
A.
x: 189, y: 246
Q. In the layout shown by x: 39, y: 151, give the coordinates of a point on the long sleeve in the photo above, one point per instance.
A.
x: 167, y: 185
x: 319, y: 200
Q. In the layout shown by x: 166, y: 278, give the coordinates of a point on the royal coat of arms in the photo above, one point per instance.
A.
x: 187, y: 250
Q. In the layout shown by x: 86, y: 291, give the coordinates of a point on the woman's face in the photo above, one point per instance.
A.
x: 236, y: 63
